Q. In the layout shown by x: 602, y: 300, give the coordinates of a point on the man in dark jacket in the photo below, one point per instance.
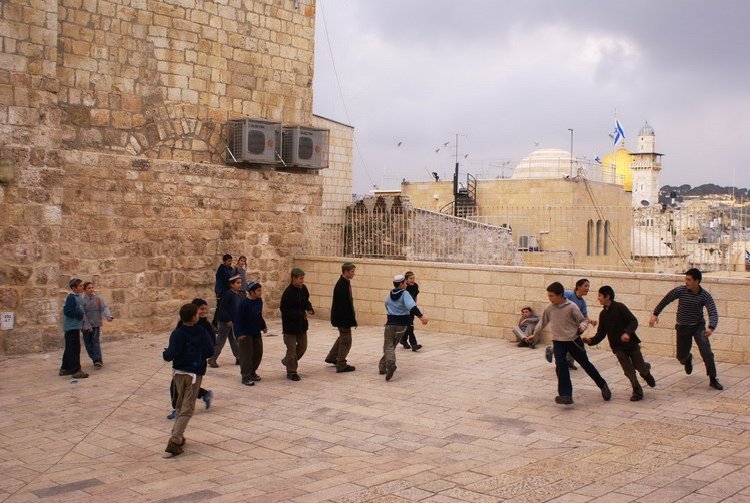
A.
x: 189, y: 347
x: 618, y: 324
x: 295, y: 306
x: 343, y: 318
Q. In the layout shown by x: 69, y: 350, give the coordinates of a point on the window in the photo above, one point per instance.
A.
x: 606, y: 237
x: 590, y: 238
x: 598, y: 237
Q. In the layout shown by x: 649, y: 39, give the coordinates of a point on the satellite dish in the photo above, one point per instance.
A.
x: 645, y: 203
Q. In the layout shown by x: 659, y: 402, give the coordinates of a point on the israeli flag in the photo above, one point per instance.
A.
x: 599, y: 161
x: 618, y: 134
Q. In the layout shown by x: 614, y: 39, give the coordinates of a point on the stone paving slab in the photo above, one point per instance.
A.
x: 464, y: 419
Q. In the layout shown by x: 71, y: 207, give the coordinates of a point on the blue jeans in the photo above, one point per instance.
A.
x: 576, y: 350
x: 91, y: 341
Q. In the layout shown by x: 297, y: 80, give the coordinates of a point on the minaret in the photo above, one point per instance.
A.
x: 645, y: 167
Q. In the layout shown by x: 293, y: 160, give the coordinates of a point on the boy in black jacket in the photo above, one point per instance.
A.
x: 343, y: 318
x: 295, y: 306
x: 248, y: 324
x: 189, y: 347
x: 203, y: 394
x: 409, y: 340
x: 618, y: 324
x: 225, y: 311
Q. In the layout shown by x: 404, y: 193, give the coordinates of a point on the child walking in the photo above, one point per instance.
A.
x: 94, y: 308
x: 203, y: 394
x: 399, y: 308
x: 409, y: 340
x: 189, y: 348
x: 295, y: 306
x: 72, y: 324
x: 248, y: 325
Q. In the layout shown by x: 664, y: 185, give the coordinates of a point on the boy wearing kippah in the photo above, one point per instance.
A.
x: 248, y: 324
x: 399, y: 307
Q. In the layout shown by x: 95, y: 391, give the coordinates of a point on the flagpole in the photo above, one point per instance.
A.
x: 614, y: 149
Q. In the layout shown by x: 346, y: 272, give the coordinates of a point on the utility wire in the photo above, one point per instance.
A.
x: 341, y: 92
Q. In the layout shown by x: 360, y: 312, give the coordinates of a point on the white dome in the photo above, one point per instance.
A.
x: 547, y: 163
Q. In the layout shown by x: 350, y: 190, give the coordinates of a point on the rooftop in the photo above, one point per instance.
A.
x: 465, y: 419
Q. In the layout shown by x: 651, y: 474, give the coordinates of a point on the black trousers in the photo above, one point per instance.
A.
x: 685, y: 336
x: 71, y: 358
x: 409, y: 336
x: 631, y: 359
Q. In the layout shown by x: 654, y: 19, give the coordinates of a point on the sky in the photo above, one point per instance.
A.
x: 500, y: 79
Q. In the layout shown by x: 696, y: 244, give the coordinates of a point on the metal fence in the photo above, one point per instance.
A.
x: 653, y: 239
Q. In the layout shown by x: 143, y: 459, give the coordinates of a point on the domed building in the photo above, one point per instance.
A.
x: 622, y: 162
x: 548, y: 163
x: 559, y: 210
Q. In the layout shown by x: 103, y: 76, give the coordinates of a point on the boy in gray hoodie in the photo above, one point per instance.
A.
x: 94, y: 308
x: 566, y: 321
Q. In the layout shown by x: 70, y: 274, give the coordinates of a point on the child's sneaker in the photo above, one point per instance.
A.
x: 172, y: 450
x: 172, y: 414
x: 207, y: 398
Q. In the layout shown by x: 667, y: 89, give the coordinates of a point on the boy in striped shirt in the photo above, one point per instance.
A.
x: 691, y: 299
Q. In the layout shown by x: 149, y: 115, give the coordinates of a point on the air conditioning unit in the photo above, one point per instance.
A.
x: 253, y: 140
x: 528, y: 243
x: 305, y: 147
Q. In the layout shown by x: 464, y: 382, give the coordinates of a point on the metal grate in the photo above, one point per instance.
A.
x: 256, y: 142
x: 668, y: 240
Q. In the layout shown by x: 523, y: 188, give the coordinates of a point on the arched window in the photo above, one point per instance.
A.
x: 606, y: 237
x: 590, y: 238
x: 598, y: 237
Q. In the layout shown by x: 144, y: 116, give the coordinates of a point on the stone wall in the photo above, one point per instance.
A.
x: 487, y: 300
x: 111, y: 119
x: 337, y: 178
x: 160, y: 78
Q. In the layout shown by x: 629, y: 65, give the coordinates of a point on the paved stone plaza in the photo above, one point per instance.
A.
x: 465, y: 419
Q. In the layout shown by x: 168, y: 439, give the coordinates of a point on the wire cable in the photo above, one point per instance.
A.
x: 341, y: 92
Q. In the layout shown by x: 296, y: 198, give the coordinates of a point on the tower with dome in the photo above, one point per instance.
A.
x: 645, y: 168
x: 638, y: 172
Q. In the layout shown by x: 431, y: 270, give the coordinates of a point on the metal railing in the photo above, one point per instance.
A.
x: 652, y: 239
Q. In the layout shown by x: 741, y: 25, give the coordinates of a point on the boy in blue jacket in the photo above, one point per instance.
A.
x: 72, y: 324
x: 248, y: 324
x: 400, y: 307
x: 189, y: 348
